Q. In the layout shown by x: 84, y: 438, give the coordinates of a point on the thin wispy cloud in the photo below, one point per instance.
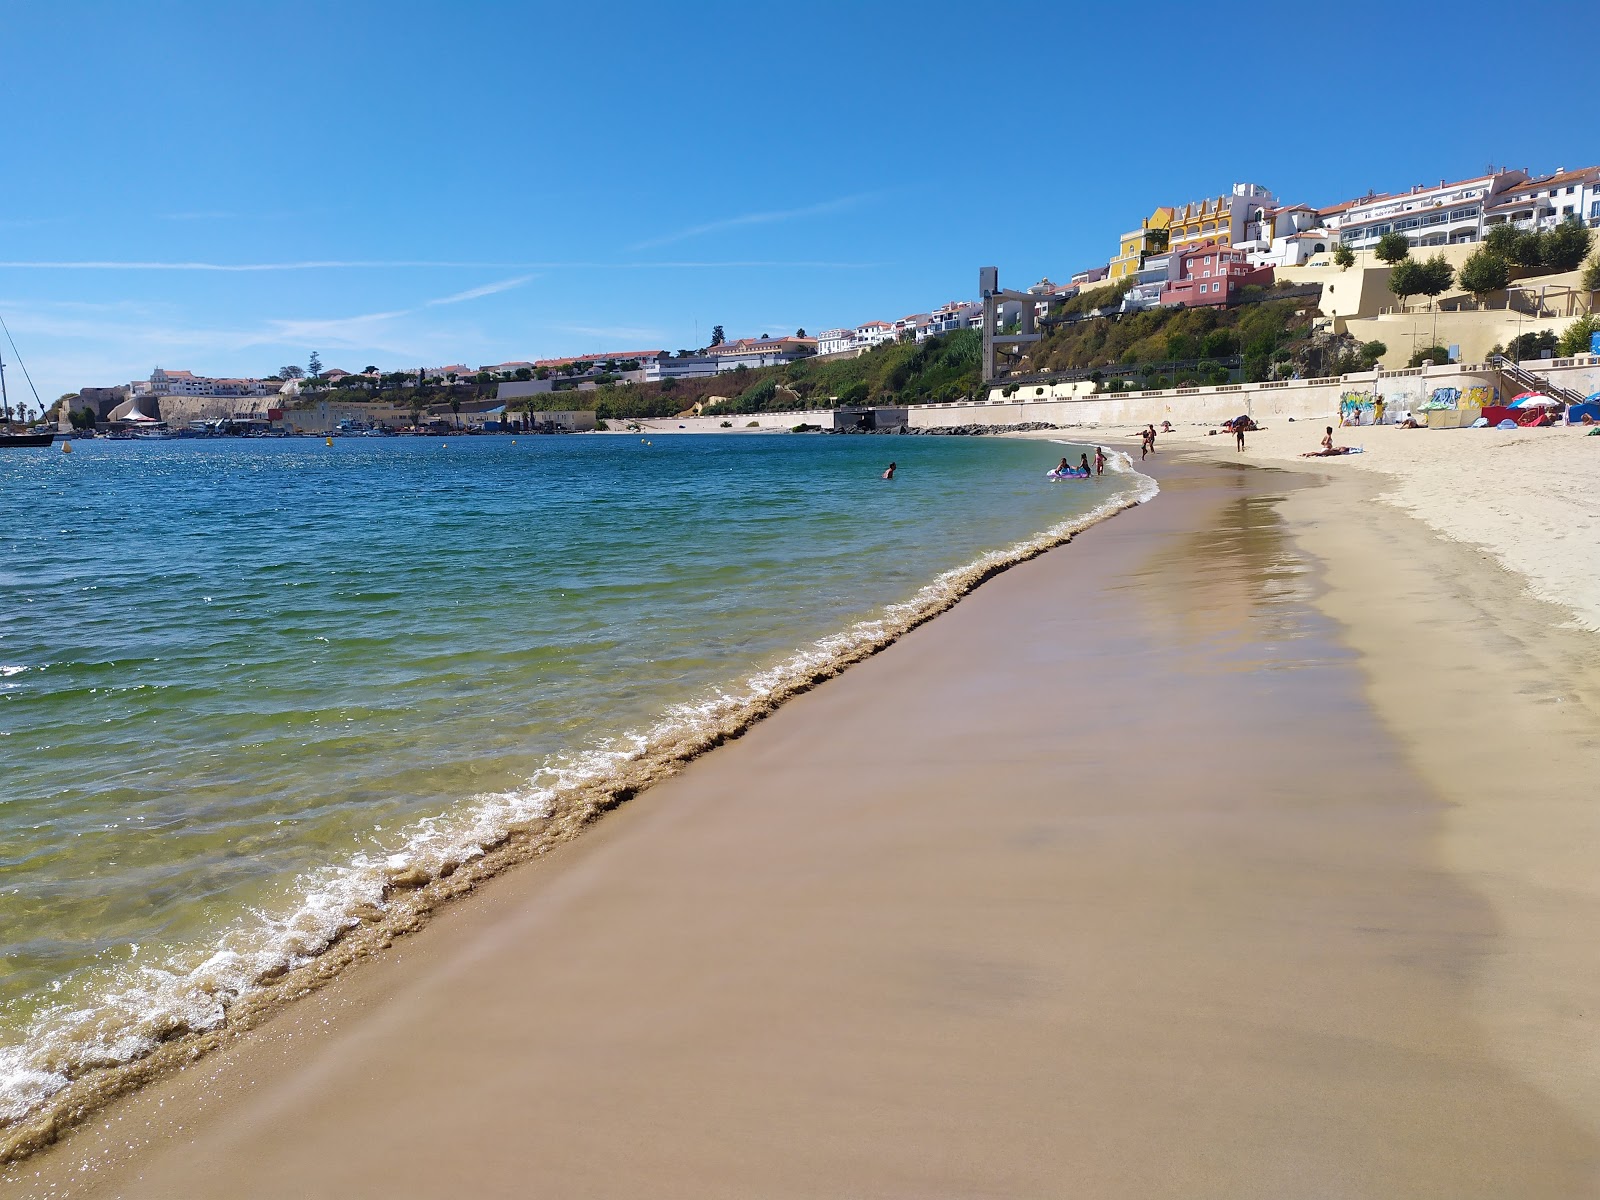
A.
x: 430, y: 264
x: 756, y: 218
x: 488, y: 289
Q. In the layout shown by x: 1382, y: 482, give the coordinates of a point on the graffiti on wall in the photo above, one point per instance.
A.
x: 1477, y: 396
x: 1445, y: 397
x: 1356, y: 408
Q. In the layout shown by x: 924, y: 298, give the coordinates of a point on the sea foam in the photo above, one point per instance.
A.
x: 144, y: 1018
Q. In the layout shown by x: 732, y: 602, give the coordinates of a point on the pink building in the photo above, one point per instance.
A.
x: 1212, y: 274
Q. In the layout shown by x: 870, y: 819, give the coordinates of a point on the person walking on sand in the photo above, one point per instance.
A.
x: 1238, y: 434
x: 1099, y: 460
x: 889, y: 474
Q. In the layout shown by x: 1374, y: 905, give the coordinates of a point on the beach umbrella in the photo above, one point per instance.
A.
x: 1533, y: 400
x: 1516, y: 401
x: 1592, y: 399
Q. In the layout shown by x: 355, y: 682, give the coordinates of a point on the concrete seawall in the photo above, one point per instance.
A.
x: 1298, y: 398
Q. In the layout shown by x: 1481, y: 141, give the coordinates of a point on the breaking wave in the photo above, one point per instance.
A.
x: 146, y: 1017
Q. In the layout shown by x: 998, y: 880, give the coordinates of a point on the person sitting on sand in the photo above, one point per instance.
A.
x: 1166, y: 427
x: 1099, y: 460
x: 1412, y: 423
x: 1328, y: 450
x: 889, y: 474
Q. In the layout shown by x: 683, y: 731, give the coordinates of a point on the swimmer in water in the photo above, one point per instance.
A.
x: 1083, y: 465
x: 889, y: 474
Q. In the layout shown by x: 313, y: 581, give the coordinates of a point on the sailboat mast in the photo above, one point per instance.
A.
x: 5, y: 400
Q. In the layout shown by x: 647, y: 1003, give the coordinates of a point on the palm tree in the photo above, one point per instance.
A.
x: 455, y: 407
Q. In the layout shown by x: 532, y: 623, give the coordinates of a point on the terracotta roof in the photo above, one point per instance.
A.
x: 598, y: 357
x: 1349, y: 204
x: 1560, y: 179
x: 744, y: 345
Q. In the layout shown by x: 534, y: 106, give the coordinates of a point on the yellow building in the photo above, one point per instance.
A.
x: 1149, y: 238
x: 1222, y: 219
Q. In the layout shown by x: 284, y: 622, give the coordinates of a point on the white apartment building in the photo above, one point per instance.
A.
x: 1447, y: 214
x: 836, y: 341
x: 1545, y: 202
x: 874, y: 333
x: 1287, y: 236
x: 187, y: 383
x: 906, y: 328
x: 947, y: 318
x: 690, y: 366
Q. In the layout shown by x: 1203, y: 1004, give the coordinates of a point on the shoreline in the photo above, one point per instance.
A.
x: 1396, y: 1019
x: 415, y: 891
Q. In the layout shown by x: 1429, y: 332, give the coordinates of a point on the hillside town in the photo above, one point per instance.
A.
x: 1484, y: 291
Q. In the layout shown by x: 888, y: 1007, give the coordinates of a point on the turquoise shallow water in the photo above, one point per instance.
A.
x: 240, y: 681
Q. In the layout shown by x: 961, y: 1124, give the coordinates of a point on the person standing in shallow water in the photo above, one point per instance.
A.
x: 889, y: 474
x: 1099, y: 460
x: 1083, y: 465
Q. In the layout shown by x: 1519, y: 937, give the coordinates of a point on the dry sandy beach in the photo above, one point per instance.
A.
x: 1243, y: 847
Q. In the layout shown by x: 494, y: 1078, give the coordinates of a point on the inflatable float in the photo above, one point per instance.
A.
x: 1068, y: 474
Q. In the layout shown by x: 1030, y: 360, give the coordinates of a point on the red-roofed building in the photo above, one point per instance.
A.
x: 1545, y: 202
x: 1211, y: 275
x: 1445, y: 214
x: 760, y: 352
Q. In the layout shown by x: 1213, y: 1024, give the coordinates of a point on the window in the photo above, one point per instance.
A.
x: 1570, y: 190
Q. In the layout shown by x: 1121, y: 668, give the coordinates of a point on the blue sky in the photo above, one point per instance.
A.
x: 423, y: 183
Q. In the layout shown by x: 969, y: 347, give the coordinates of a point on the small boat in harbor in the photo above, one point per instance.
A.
x: 12, y: 437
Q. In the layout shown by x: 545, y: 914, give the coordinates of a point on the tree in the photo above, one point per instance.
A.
x: 1577, y: 336
x: 1370, y: 353
x: 1529, y: 346
x: 1527, y: 248
x: 1393, y: 247
x: 717, y: 336
x: 1502, y: 239
x: 1485, y: 271
x: 801, y: 332
x: 1566, y: 246
x: 1435, y: 277
x: 369, y: 369
x: 1591, y: 275
x: 1406, y: 279
x: 314, y: 366
x: 455, y: 407
x: 1343, y: 257
x: 291, y: 373
x: 1436, y: 356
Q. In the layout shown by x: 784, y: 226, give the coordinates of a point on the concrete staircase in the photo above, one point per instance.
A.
x: 1530, y: 381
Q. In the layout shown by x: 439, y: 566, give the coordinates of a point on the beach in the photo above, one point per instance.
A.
x: 1239, y: 847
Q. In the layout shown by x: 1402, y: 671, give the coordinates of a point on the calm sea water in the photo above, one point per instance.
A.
x: 238, y: 680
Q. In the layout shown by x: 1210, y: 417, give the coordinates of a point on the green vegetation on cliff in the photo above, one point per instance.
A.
x: 1262, y: 334
x: 940, y: 368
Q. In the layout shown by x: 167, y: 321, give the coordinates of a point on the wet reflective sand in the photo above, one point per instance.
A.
x: 1108, y: 882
